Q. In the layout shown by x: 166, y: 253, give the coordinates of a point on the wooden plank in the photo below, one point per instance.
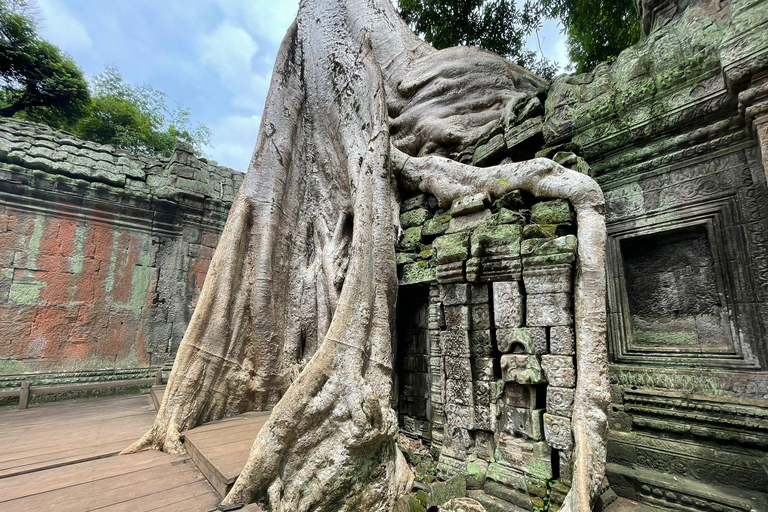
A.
x: 48, y: 480
x: 114, y: 489
x: 220, y: 449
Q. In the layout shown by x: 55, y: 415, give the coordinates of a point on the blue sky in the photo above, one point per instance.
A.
x: 213, y: 56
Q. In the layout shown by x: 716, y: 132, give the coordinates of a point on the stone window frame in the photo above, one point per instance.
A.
x: 714, y: 216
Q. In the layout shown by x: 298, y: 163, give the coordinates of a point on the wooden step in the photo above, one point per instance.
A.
x: 220, y: 449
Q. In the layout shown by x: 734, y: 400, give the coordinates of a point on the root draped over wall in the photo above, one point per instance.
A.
x: 297, y: 311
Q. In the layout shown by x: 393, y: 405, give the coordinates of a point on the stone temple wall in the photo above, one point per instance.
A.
x: 486, y: 348
x: 675, y: 132
x: 102, y: 253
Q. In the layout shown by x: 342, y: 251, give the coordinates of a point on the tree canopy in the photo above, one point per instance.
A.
x: 34, y: 74
x: 497, y: 25
x: 40, y: 83
x: 136, y: 118
x: 596, y: 30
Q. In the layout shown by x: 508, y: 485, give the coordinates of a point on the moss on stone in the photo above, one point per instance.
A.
x: 552, y: 212
x: 437, y: 225
x: 414, y: 218
x: 451, y: 248
x: 411, y: 239
x: 505, y: 216
x: 503, y: 239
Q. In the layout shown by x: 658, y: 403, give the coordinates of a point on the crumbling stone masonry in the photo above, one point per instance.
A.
x: 102, y: 253
x: 486, y: 351
x: 675, y: 132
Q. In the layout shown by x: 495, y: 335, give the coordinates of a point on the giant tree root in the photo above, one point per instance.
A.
x: 282, y: 290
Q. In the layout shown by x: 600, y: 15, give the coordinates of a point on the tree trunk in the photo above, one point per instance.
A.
x: 297, y: 311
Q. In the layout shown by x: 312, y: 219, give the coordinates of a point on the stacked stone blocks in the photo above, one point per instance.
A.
x: 501, y: 332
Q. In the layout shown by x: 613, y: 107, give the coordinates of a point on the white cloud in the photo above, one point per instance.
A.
x: 234, y: 139
x: 231, y: 51
x: 61, y: 28
x: 228, y: 49
x: 266, y: 18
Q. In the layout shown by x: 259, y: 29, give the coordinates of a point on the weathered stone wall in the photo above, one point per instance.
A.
x: 486, y: 351
x: 102, y: 253
x: 674, y: 131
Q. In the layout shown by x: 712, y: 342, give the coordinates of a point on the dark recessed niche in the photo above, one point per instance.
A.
x: 412, y: 358
x: 672, y: 290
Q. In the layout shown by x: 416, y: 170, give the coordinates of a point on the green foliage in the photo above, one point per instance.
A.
x: 136, y: 118
x: 39, y: 83
x: 34, y: 74
x: 597, y: 30
x: 500, y: 26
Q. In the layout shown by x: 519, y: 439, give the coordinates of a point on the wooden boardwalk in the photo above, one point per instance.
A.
x: 63, y: 457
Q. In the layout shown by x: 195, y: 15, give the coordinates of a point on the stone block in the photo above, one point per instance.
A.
x: 457, y: 318
x: 479, y: 294
x: 450, y: 272
x: 476, y: 471
x: 454, y: 294
x: 484, y: 417
x: 419, y: 201
x: 437, y: 225
x: 470, y: 204
x: 480, y: 343
x: 522, y: 369
x: 496, y: 240
x: 485, y: 444
x: 482, y: 368
x: 525, y: 422
x: 507, y: 304
x: 414, y: 218
x: 436, y: 317
x: 435, y: 347
x: 469, y: 222
x: 559, y: 371
x: 408, y: 504
x: 566, y: 466
x: 494, y: 268
x: 533, y: 457
x: 504, y: 474
x: 522, y: 340
x: 411, y: 239
x: 520, y: 395
x: 458, y: 392
x: 562, y: 341
x: 460, y: 416
x: 512, y: 200
x: 490, y: 153
x: 443, y: 492
x: 454, y: 343
x: 545, y: 252
x: 557, y: 432
x: 450, y: 248
x: 553, y: 279
x: 548, y: 309
x: 458, y: 368
x: 418, y: 272
x: 480, y: 316
x: 560, y: 401
x: 504, y: 216
x: 552, y: 212
x: 526, y: 134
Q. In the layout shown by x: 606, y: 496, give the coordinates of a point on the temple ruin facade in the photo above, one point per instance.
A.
x: 103, y: 254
